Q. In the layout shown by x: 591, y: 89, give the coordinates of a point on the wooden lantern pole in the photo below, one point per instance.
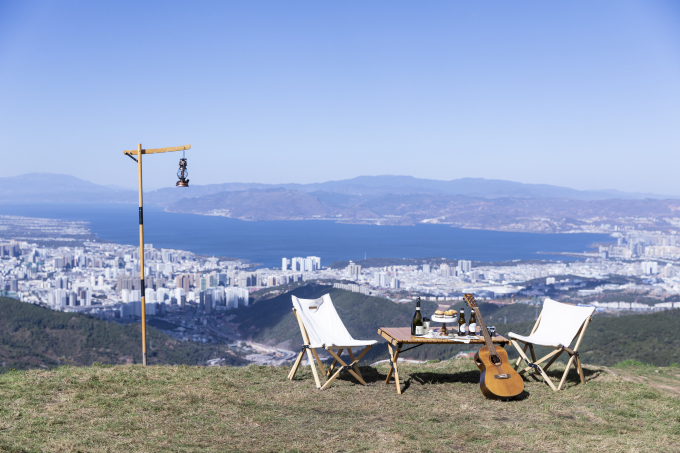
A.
x: 139, y: 152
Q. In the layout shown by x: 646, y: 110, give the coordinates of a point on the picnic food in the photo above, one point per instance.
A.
x: 450, y: 312
x: 438, y: 312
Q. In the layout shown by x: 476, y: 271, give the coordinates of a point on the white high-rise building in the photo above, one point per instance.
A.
x: 650, y: 267
x: 60, y: 298
x: 162, y: 294
x: 353, y: 270
x: 166, y: 256
x: 149, y: 295
x: 285, y: 264
x: 298, y: 264
x: 464, y: 266
x: 236, y: 297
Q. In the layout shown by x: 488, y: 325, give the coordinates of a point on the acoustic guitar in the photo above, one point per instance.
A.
x: 498, y: 380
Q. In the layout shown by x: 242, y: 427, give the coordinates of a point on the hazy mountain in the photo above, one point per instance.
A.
x: 407, y: 185
x: 507, y: 213
x: 54, y: 188
x: 47, y: 187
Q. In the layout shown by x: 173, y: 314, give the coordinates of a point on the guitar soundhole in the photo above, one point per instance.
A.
x: 495, y: 360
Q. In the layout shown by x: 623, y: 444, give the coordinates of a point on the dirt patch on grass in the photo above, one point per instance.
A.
x: 663, y: 379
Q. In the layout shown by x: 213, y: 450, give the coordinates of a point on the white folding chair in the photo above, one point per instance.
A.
x: 555, y: 328
x: 321, y: 327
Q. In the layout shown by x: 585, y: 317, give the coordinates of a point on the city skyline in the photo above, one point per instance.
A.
x: 577, y: 95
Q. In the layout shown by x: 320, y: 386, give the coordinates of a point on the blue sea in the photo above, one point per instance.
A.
x: 268, y: 242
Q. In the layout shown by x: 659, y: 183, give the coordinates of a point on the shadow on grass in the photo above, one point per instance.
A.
x: 556, y: 375
x: 371, y: 375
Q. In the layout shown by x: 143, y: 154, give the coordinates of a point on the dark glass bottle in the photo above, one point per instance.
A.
x: 417, y: 323
x: 461, y: 323
x: 472, y: 325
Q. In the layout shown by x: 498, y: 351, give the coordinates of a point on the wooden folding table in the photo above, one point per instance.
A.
x: 397, y: 337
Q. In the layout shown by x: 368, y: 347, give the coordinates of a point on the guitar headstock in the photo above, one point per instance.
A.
x: 470, y: 299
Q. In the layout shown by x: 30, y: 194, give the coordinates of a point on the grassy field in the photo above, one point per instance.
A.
x: 256, y: 409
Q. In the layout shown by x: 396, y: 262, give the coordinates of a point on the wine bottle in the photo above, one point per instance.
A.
x: 472, y: 325
x: 417, y: 323
x: 461, y: 323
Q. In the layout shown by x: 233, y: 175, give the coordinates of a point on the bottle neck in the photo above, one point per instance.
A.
x: 417, y: 308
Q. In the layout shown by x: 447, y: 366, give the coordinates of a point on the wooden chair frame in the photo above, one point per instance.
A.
x: 352, y: 367
x: 534, y: 364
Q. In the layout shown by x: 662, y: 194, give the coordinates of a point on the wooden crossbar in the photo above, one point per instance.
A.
x: 170, y: 149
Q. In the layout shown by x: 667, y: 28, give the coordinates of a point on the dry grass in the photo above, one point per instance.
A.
x: 180, y: 408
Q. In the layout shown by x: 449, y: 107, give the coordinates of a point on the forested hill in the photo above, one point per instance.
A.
x: 653, y: 338
x: 272, y: 320
x: 33, y: 336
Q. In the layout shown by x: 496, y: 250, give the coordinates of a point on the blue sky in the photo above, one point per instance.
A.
x: 578, y: 94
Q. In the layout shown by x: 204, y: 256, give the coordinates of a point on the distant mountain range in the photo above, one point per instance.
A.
x: 54, y: 188
x: 398, y: 200
x: 408, y: 185
x: 49, y: 187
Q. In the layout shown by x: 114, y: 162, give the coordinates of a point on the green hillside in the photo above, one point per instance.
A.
x: 272, y: 321
x: 496, y: 315
x: 33, y: 336
x: 653, y: 338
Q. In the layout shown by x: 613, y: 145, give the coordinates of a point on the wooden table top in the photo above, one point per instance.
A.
x: 396, y: 335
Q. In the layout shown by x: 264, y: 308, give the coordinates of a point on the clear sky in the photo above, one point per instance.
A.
x: 581, y: 94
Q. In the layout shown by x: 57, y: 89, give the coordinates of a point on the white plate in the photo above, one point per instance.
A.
x: 437, y: 318
x: 448, y: 338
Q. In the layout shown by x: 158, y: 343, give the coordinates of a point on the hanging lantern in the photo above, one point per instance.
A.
x: 183, y: 173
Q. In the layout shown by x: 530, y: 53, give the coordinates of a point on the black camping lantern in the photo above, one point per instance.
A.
x: 183, y: 173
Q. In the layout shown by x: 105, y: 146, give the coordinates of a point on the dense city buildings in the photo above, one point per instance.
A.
x: 103, y: 278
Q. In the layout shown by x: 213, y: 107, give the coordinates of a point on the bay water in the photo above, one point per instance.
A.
x: 266, y: 242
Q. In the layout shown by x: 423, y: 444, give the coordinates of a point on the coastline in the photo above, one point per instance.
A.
x: 266, y: 242
x: 391, y: 222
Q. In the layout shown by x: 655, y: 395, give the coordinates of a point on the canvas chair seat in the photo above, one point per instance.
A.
x: 323, y: 324
x: 559, y: 325
x: 322, y: 328
x: 556, y: 328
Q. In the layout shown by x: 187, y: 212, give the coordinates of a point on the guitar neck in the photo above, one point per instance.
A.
x: 469, y: 298
x: 485, y: 332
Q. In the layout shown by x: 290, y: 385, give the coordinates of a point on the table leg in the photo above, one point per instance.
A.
x: 389, y: 373
x: 394, y: 359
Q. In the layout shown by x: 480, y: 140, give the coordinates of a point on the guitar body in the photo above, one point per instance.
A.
x: 498, y: 381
